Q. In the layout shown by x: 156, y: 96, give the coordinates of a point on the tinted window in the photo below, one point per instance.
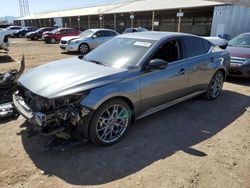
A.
x: 206, y: 45
x: 109, y: 33
x: 170, y: 51
x: 64, y: 31
x: 72, y: 31
x: 194, y: 46
x: 100, y: 34
x: 12, y: 28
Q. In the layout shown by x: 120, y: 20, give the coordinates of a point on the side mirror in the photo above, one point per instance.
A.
x: 156, y: 64
x: 94, y: 36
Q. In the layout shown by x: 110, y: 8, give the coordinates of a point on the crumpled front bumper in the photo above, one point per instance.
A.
x: 50, y: 123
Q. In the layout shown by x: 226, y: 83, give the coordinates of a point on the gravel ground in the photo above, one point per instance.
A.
x: 197, y: 143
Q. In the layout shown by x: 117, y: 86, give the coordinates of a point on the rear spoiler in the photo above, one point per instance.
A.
x: 222, y: 43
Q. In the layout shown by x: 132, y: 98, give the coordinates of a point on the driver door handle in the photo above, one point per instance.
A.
x: 182, y: 71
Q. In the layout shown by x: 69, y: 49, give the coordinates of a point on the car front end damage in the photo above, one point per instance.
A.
x: 62, y: 117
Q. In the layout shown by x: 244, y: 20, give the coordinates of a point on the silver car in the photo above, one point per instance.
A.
x: 98, y: 96
x: 87, y: 40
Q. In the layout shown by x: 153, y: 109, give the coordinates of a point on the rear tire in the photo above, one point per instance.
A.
x: 215, y: 86
x: 110, y: 122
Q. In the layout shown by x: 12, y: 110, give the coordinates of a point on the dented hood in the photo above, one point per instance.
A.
x: 68, y: 76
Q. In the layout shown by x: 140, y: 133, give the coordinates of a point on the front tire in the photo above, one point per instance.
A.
x: 83, y: 48
x: 215, y: 86
x: 110, y: 122
x: 52, y: 40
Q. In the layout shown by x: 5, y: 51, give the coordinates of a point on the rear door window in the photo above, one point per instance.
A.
x: 194, y: 46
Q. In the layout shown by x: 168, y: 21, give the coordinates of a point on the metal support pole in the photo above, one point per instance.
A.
x: 153, y: 20
x: 131, y: 20
x: 115, y: 22
x: 179, y: 23
x: 44, y: 22
x: 79, y: 24
x: 89, y: 22
x: 70, y: 22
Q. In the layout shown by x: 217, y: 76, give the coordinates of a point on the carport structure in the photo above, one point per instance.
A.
x: 150, y: 14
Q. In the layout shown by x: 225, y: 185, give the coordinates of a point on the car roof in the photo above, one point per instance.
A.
x: 153, y: 35
x: 101, y: 29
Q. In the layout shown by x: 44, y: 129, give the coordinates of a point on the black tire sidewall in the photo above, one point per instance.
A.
x: 92, y: 133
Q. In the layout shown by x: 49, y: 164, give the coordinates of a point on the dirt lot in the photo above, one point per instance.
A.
x: 197, y: 143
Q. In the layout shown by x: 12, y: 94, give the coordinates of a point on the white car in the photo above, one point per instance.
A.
x: 11, y: 30
x: 4, y: 44
x: 87, y: 40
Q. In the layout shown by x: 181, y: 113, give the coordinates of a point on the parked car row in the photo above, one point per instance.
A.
x: 87, y: 40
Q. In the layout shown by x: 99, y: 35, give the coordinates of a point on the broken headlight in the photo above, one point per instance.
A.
x: 69, y: 99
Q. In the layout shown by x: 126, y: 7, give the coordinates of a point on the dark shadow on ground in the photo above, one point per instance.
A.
x: 153, y: 138
x: 4, y: 120
x: 5, y: 59
x: 239, y: 81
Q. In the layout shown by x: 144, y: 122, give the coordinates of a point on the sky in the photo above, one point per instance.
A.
x: 11, y: 7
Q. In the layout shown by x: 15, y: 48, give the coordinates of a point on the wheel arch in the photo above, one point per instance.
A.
x: 223, y: 72
x: 125, y: 99
x: 84, y: 42
x: 86, y: 129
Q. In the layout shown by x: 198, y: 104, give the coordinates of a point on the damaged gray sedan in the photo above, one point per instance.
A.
x: 98, y: 96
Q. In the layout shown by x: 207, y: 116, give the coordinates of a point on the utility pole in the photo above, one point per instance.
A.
x: 24, y: 8
x: 179, y: 15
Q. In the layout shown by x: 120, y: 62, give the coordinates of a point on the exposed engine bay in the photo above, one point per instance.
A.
x: 62, y: 117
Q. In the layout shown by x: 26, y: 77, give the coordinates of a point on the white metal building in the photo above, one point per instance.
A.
x: 201, y: 17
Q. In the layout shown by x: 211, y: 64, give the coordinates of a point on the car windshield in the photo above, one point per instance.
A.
x: 240, y: 41
x: 54, y: 31
x: 120, y: 52
x: 41, y: 29
x: 86, y: 33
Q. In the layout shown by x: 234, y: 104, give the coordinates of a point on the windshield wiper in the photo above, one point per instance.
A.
x: 96, y: 62
x: 92, y: 61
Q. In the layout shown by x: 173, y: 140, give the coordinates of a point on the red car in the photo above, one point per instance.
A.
x: 56, y: 35
x: 239, y: 49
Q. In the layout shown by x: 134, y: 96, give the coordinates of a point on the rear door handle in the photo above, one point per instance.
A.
x: 182, y: 71
x: 211, y: 59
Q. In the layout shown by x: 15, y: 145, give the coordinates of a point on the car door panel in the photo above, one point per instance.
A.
x: 162, y: 86
x: 199, y: 64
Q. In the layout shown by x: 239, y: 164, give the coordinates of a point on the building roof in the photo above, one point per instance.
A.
x: 125, y: 7
x: 93, y: 10
x: 150, y: 5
